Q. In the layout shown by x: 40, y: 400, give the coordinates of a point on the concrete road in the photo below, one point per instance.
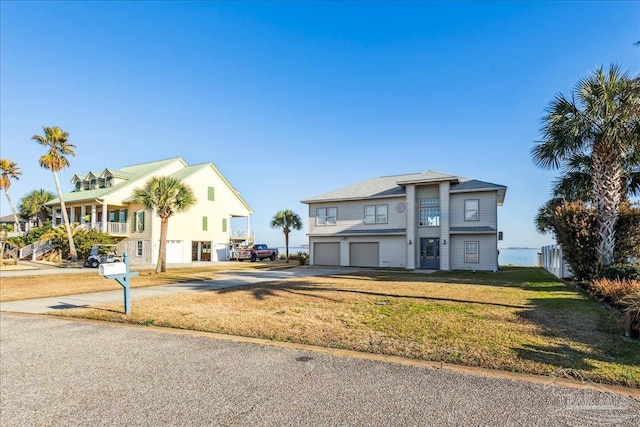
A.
x: 223, y: 280
x: 76, y: 373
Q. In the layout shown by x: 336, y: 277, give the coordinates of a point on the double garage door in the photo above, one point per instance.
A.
x: 362, y: 254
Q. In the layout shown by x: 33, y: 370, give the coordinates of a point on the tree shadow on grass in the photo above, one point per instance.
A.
x: 263, y: 291
x: 580, y: 332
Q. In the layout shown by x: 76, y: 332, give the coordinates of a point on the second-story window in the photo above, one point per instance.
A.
x: 375, y: 214
x: 471, y: 208
x: 429, y: 214
x: 326, y: 216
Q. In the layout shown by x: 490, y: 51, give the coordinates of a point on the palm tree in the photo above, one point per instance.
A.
x: 33, y: 205
x: 576, y: 183
x: 9, y: 170
x: 601, y: 120
x: 56, y: 140
x: 167, y: 196
x: 286, y: 220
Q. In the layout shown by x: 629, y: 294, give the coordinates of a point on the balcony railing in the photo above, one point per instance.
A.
x: 112, y: 227
x: 242, y: 234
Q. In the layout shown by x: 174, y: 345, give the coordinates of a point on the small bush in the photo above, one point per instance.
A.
x: 622, y: 272
x: 617, y: 289
x: 303, y: 258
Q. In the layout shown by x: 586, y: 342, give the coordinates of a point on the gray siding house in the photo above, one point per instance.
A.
x: 425, y: 220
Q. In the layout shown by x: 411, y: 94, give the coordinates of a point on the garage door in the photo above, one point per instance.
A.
x: 364, y: 254
x: 175, y: 252
x: 326, y: 253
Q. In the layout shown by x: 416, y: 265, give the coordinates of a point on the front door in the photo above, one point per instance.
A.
x: 430, y: 253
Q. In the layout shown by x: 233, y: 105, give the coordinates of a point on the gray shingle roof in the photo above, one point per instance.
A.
x: 394, y: 185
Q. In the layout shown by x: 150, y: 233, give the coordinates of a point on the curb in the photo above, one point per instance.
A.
x: 471, y: 370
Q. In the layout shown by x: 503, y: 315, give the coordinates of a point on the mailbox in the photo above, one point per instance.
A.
x: 112, y: 268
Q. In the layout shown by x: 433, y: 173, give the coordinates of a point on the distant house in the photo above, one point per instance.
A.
x: 103, y: 200
x: 425, y: 220
x: 10, y: 220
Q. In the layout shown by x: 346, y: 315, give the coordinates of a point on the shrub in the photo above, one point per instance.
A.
x: 303, y: 258
x: 622, y: 272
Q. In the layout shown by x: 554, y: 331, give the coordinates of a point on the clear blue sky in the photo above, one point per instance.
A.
x: 293, y: 99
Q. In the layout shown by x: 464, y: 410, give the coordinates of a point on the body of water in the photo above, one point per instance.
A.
x: 521, y: 257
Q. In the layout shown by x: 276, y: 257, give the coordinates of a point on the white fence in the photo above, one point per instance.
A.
x: 553, y: 261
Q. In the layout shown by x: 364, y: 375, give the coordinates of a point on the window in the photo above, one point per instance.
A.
x: 326, y: 216
x: 224, y: 225
x: 138, y: 225
x: 205, y: 224
x: 123, y: 215
x: 375, y: 214
x: 471, y: 251
x: 108, y: 182
x: 139, y: 248
x: 78, y: 186
x: 112, y: 216
x: 471, y: 210
x: 429, y: 215
x: 211, y: 194
x: 93, y: 184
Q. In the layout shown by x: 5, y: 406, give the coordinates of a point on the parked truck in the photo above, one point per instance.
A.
x: 256, y: 252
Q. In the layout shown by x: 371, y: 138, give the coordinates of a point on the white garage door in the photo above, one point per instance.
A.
x: 175, y: 252
x: 326, y: 253
x: 364, y: 254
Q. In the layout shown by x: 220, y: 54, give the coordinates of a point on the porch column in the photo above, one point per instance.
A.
x: 104, y: 217
x: 94, y: 214
x: 411, y: 227
x: 445, y: 232
x: 83, y: 213
x: 54, y: 214
x: 72, y: 215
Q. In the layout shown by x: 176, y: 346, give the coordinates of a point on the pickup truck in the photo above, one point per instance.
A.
x: 256, y: 252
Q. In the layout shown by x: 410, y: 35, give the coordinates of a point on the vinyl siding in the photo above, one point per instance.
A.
x: 350, y: 216
x: 487, y: 212
x: 487, y: 254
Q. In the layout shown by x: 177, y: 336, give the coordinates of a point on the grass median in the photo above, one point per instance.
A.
x: 518, y: 319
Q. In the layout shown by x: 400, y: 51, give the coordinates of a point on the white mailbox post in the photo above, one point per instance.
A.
x: 119, y: 271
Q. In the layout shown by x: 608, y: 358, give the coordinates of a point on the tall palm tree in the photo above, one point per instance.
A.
x: 286, y: 219
x: 601, y: 120
x: 57, y: 142
x: 32, y: 206
x: 576, y: 183
x: 9, y: 170
x: 167, y: 196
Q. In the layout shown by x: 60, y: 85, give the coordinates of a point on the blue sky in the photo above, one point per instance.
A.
x: 294, y: 99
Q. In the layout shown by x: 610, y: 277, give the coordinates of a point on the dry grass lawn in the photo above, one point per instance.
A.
x: 519, y: 319
x: 28, y: 287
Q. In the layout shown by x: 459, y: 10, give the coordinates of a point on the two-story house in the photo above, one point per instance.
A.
x: 425, y: 220
x: 103, y: 201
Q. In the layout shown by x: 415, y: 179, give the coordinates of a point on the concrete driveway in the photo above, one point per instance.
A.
x: 74, y: 373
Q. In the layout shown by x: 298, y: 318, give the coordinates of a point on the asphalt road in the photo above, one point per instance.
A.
x: 62, y: 372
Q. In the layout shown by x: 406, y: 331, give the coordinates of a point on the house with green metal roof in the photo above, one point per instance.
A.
x: 103, y: 200
x: 427, y: 220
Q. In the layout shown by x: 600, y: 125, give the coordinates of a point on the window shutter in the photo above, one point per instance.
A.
x: 135, y: 223
x: 211, y: 194
x: 204, y: 223
x: 142, y: 220
x: 224, y: 225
